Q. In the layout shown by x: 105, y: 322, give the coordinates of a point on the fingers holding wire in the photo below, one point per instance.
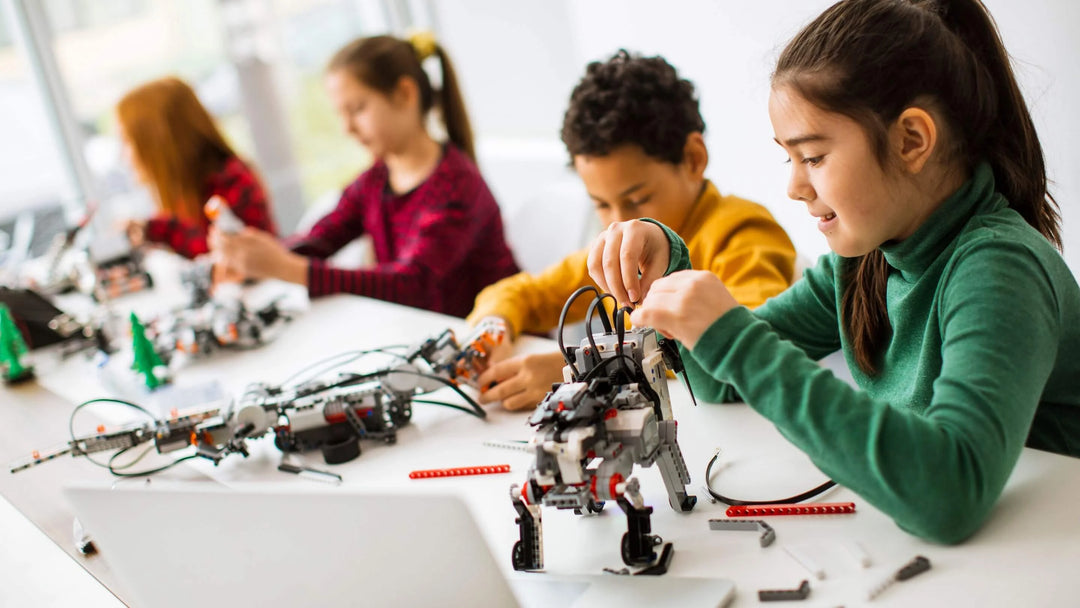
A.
x: 684, y: 305
x: 594, y: 261
x: 627, y: 258
x: 611, y: 264
x: 635, y: 261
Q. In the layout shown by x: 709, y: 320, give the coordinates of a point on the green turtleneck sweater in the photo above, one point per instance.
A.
x: 984, y: 357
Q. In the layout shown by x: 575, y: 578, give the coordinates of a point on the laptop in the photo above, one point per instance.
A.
x: 32, y: 314
x: 179, y: 545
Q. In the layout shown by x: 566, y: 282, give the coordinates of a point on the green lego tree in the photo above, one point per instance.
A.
x: 12, y: 347
x: 146, y: 359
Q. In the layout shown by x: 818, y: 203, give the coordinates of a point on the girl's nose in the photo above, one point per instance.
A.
x: 799, y: 188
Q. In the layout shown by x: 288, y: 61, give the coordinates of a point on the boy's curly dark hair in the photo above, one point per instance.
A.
x: 630, y: 99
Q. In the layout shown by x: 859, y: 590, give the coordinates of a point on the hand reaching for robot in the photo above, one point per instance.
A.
x: 680, y: 306
x: 627, y: 258
x: 521, y: 381
x: 683, y: 305
x: 220, y: 274
x: 257, y: 254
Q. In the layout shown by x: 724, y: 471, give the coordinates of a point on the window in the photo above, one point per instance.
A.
x: 103, y: 48
x: 34, y: 184
x: 256, y: 65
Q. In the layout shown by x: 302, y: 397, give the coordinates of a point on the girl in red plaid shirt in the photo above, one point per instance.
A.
x: 436, y: 228
x: 172, y: 144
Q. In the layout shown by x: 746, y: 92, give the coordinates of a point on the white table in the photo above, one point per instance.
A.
x: 36, y: 571
x: 1027, y: 554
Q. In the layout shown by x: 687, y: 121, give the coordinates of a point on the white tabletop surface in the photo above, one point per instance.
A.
x: 38, y: 573
x: 1027, y: 554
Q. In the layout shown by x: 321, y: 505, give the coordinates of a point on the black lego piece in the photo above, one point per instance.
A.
x: 662, y: 565
x: 638, y: 543
x: 785, y: 595
x: 913, y: 568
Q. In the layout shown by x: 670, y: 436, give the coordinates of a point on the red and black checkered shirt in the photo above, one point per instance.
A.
x: 436, y: 246
x: 235, y: 183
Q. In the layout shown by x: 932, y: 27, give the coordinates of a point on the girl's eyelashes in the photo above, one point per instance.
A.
x: 641, y: 201
x: 813, y: 161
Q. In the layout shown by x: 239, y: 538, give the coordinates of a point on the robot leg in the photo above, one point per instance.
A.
x: 673, y: 468
x: 528, y: 553
x: 638, y: 544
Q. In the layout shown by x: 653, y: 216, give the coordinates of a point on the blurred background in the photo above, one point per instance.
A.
x: 257, y: 65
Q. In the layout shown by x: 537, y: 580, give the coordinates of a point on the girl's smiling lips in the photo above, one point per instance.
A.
x: 825, y: 221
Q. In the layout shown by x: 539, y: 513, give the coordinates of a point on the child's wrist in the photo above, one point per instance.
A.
x: 295, y: 269
x: 511, y: 331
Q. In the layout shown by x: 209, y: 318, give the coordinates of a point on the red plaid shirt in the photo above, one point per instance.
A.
x: 436, y: 246
x: 235, y: 183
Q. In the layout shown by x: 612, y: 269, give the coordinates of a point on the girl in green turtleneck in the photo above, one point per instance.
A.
x: 912, y: 145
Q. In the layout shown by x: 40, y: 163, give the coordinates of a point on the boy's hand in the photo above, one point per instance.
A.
x: 624, y: 250
x: 683, y: 305
x: 258, y: 255
x: 522, y: 381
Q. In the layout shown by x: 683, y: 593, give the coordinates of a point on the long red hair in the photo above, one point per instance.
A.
x: 175, y: 142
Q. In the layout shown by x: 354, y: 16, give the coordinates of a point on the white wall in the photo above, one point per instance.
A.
x: 728, y: 48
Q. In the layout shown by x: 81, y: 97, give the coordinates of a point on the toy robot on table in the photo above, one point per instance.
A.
x: 216, y: 325
x: 215, y: 318
x: 613, y: 412
x: 331, y: 415
x: 69, y: 266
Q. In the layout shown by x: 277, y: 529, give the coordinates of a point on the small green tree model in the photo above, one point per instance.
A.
x: 146, y: 360
x: 12, y: 347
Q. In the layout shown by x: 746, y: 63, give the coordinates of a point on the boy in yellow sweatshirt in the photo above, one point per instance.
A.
x: 635, y: 136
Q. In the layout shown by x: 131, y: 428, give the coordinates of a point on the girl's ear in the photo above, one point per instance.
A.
x: 914, y: 137
x: 406, y: 93
x: 695, y: 156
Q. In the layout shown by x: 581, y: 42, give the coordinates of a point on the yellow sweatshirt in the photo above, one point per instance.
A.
x: 739, y: 241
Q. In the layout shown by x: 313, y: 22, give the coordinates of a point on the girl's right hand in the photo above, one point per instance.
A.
x: 624, y: 250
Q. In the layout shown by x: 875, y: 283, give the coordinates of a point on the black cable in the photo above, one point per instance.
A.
x: 347, y: 380
x: 71, y: 421
x: 352, y: 355
x: 562, y: 325
x: 445, y: 404
x: 118, y: 473
x: 476, y: 409
x: 606, y: 362
x: 110, y: 466
x: 620, y: 330
x: 597, y: 301
x: 782, y: 501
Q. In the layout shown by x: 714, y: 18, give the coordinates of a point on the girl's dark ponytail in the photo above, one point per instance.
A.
x: 872, y: 59
x: 380, y: 62
x: 458, y: 128
x: 1006, y: 136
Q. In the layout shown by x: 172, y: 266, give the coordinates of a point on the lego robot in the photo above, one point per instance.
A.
x: 613, y: 409
x: 215, y: 325
x: 331, y: 415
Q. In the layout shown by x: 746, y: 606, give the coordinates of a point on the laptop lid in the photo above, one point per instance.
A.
x: 185, y: 545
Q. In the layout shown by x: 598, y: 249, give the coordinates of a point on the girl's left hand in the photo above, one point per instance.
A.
x: 258, y: 255
x: 683, y: 305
